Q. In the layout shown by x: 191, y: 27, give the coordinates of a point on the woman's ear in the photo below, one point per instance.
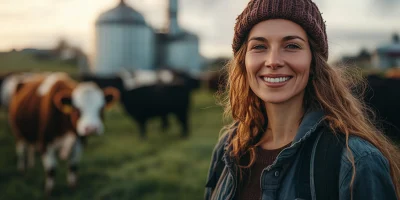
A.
x: 111, y: 95
x: 63, y: 101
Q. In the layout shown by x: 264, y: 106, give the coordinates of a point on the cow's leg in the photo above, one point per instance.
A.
x: 164, y: 123
x: 49, y: 164
x: 142, y: 129
x: 183, y: 118
x: 20, y: 150
x: 73, y: 163
x: 31, y: 156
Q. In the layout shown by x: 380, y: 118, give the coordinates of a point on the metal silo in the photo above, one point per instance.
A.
x: 123, y: 40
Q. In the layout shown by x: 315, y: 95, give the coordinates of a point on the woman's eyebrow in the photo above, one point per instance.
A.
x: 261, y: 39
x: 292, y: 37
x: 286, y: 38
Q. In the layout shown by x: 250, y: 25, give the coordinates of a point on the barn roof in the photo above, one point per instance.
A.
x: 121, y: 14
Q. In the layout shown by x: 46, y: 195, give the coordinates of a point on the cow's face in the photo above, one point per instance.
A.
x: 85, y: 105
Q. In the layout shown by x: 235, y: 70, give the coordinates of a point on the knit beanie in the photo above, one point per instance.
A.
x: 303, y: 12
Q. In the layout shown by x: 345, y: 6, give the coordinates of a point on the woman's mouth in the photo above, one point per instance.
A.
x: 276, y: 81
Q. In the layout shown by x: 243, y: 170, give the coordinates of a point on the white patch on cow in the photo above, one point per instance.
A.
x: 143, y: 78
x: 74, y: 160
x: 89, y: 99
x: 127, y: 80
x: 20, y: 149
x: 68, y: 142
x: 146, y: 77
x: 49, y: 82
x: 166, y: 76
x: 49, y: 159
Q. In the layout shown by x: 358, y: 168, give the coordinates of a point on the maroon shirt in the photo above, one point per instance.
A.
x: 250, y: 188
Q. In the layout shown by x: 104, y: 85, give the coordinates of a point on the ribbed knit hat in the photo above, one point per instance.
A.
x: 303, y: 12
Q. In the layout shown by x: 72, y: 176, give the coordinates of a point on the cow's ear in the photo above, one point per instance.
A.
x: 111, y: 96
x: 63, y: 101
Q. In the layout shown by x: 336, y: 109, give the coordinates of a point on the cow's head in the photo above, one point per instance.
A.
x: 85, y: 105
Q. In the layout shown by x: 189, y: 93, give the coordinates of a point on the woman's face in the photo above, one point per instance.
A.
x: 278, y: 60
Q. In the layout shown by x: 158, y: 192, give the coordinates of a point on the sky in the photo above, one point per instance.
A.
x: 351, y: 24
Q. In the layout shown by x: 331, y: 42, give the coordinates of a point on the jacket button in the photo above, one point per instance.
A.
x: 276, y: 174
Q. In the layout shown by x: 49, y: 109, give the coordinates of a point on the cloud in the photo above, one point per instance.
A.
x: 385, y: 8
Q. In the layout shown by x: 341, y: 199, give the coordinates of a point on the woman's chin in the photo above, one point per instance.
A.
x: 275, y: 100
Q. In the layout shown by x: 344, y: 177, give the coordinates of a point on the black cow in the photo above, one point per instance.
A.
x: 383, y: 96
x: 143, y: 101
x: 216, y: 80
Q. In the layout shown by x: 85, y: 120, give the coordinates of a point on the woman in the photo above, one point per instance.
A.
x: 282, y: 94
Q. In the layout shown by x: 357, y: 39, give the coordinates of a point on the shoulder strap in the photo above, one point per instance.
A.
x: 326, y: 167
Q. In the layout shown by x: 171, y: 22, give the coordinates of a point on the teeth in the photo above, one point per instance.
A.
x: 276, y: 80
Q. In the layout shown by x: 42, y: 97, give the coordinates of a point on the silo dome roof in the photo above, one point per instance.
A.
x: 122, y: 14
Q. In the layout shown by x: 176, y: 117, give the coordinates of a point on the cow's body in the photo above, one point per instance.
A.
x: 383, y: 96
x: 11, y: 82
x: 215, y: 80
x: 53, y: 114
x: 145, y: 100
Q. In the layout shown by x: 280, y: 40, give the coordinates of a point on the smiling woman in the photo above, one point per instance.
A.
x: 298, y: 132
x: 272, y: 45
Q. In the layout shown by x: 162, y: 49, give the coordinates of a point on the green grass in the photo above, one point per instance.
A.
x: 119, y: 165
x: 15, y: 61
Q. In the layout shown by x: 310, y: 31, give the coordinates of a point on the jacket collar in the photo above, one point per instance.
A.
x: 311, y: 121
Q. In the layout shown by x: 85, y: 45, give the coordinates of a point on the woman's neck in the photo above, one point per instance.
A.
x: 283, y: 123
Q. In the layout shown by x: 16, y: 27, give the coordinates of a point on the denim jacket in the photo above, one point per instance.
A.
x: 372, y: 180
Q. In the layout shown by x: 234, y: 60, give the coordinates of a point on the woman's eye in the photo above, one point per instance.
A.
x: 293, y: 46
x: 259, y: 47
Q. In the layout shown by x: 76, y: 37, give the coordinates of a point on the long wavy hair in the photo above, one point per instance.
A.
x: 336, y: 90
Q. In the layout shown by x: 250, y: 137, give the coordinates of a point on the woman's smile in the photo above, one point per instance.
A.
x: 275, y: 80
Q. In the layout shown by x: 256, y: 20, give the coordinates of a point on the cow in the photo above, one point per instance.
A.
x: 215, y: 80
x: 383, y: 96
x: 148, y: 94
x: 10, y: 82
x: 55, y: 114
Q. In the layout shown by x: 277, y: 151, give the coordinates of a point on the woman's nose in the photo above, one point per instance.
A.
x: 274, y: 59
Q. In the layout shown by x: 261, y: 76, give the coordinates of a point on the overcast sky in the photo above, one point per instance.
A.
x: 351, y: 24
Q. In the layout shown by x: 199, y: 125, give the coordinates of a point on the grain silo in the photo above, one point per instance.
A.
x: 123, y: 40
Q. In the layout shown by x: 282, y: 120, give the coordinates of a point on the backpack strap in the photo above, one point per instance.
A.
x: 327, y: 161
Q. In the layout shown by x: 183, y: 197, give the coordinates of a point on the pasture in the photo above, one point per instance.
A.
x: 118, y: 164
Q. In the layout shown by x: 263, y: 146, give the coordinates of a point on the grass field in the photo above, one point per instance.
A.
x: 118, y: 165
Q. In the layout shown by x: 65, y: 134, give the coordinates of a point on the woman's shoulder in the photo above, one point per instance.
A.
x: 225, y: 138
x: 372, y: 170
x: 363, y: 152
x: 221, y: 147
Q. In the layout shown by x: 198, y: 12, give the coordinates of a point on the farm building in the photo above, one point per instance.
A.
x: 388, y: 56
x: 125, y: 40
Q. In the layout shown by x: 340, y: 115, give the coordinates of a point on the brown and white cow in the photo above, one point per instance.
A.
x: 53, y: 114
x: 10, y: 83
